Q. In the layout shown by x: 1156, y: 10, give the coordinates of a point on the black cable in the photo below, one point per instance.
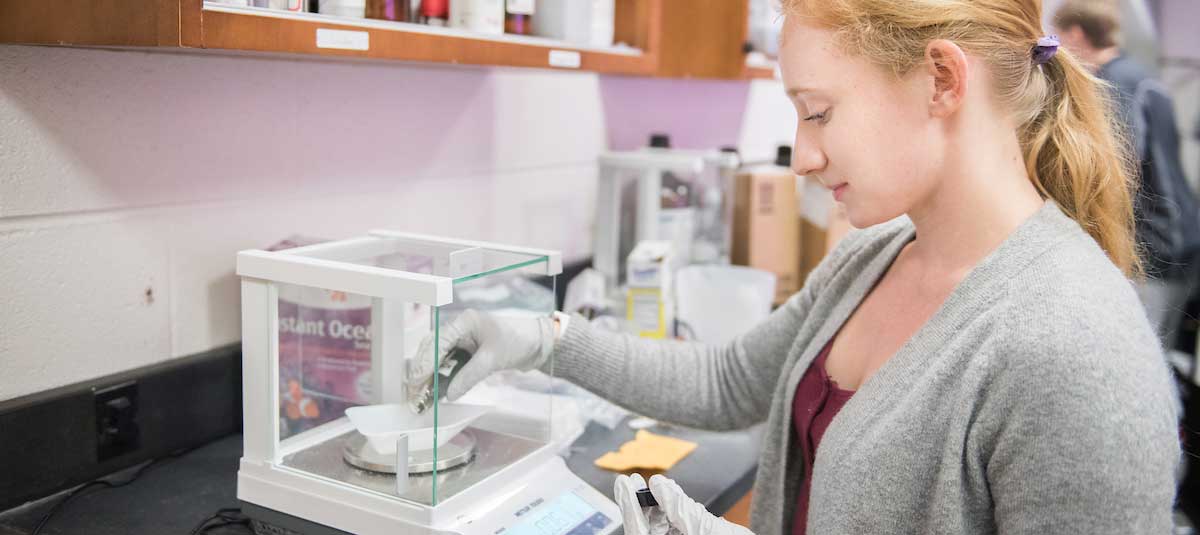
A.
x: 102, y: 482
x: 245, y: 523
x: 228, y: 516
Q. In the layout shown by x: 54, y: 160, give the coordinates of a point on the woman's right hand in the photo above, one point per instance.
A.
x: 492, y: 343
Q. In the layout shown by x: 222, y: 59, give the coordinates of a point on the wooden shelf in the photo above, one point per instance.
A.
x: 665, y: 38
x: 702, y: 39
x: 194, y: 24
x: 706, y: 40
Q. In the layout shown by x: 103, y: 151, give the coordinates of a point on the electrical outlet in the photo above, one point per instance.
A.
x: 117, y: 431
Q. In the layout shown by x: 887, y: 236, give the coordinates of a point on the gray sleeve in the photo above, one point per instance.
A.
x: 696, y: 385
x: 1082, y: 441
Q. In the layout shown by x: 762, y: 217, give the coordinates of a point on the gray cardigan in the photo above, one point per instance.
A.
x: 1035, y: 400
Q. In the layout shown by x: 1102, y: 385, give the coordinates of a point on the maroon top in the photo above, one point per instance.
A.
x: 818, y: 399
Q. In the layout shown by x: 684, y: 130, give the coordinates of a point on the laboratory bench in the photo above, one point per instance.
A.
x: 174, y: 495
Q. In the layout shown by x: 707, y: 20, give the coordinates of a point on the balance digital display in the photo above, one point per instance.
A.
x: 566, y: 515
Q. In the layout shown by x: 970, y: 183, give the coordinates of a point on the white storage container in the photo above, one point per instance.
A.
x: 715, y: 304
x: 582, y: 22
x: 481, y: 16
x: 353, y: 9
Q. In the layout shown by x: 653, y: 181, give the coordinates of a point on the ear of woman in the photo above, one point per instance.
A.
x: 947, y: 67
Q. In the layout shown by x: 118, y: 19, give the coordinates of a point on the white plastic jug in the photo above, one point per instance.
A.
x: 715, y: 304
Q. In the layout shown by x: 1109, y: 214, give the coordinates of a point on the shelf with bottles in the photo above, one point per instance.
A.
x: 731, y: 39
x: 271, y: 27
x: 761, y: 47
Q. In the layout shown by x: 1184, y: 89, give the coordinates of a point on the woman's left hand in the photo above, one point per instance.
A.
x: 676, y: 512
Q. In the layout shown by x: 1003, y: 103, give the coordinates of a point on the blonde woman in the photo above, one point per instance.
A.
x: 975, y: 360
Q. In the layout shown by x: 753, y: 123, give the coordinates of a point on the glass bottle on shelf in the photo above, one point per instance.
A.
x: 479, y: 16
x: 286, y: 5
x: 518, y: 17
x: 434, y: 12
x: 388, y: 10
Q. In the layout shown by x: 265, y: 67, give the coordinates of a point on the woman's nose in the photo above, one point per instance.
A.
x: 807, y: 158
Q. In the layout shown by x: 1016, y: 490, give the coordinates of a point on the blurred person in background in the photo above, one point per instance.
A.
x: 1166, y: 212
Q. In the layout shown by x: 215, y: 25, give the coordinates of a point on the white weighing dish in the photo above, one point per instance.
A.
x: 384, y: 424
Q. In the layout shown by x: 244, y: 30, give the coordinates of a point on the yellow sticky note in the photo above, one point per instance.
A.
x: 648, y: 451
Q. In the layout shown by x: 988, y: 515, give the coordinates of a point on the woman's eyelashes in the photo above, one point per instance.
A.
x: 819, y: 118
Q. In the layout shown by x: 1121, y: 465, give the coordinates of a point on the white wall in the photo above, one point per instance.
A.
x: 1181, y: 74
x: 129, y: 179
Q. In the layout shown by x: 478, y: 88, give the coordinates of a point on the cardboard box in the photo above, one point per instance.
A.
x: 823, y: 224
x: 766, y: 234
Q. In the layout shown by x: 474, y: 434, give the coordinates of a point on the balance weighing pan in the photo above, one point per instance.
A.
x: 383, y: 425
x: 457, y: 452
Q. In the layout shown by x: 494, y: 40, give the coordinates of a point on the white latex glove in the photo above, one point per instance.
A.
x: 638, y: 520
x: 683, y: 515
x: 495, y: 343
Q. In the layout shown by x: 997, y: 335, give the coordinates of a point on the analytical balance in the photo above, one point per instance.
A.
x: 330, y: 329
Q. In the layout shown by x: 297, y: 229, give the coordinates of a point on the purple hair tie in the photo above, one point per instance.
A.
x: 1046, y: 48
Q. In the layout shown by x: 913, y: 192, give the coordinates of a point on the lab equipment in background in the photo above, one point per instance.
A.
x: 713, y: 199
x: 397, y: 10
x: 518, y: 16
x: 677, y: 210
x: 482, y: 16
x: 330, y: 477
x: 715, y: 304
x: 649, y: 300
x: 581, y: 22
x: 353, y: 9
x: 647, y: 194
x: 766, y: 225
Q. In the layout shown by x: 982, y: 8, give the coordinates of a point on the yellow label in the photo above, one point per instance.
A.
x: 644, y: 310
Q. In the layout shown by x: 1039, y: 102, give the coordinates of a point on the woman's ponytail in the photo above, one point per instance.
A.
x: 1075, y: 156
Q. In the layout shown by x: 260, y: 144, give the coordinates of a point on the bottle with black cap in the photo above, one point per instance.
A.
x: 783, y: 156
x: 676, y: 192
x: 659, y: 140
